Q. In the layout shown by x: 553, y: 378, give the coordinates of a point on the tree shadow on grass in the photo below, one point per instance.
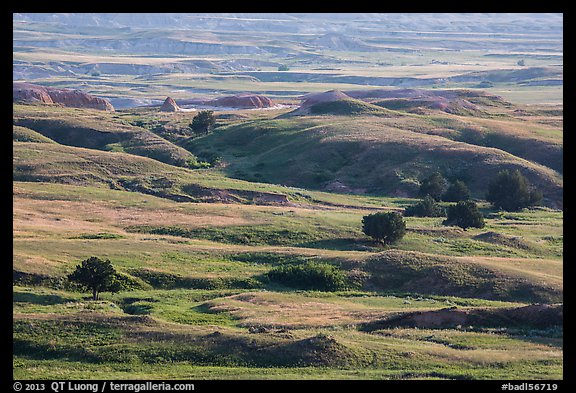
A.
x: 43, y: 300
x: 342, y: 244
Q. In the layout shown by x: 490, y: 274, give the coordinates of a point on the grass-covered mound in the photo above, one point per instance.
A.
x: 98, y: 338
x: 23, y: 134
x: 311, y: 275
x: 403, y: 271
x: 102, y: 131
x: 532, y: 316
x: 57, y: 163
x: 346, y: 107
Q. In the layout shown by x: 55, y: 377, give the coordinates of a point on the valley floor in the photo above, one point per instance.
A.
x: 204, y: 310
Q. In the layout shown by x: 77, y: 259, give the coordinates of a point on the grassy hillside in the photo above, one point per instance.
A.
x: 243, y: 249
x: 199, y: 248
x: 23, y: 134
x: 94, y: 130
x: 363, y: 155
x: 116, y: 170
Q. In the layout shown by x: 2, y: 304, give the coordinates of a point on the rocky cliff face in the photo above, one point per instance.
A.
x: 245, y: 101
x: 170, y: 105
x: 28, y: 92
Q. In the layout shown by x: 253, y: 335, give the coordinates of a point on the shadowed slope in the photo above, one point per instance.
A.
x: 91, y: 129
x: 364, y: 155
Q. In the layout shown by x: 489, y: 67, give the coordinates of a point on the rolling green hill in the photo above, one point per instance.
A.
x: 34, y: 162
x: 94, y: 130
x: 342, y: 107
x: 202, y: 301
x: 117, y: 170
x: 361, y: 155
x: 23, y: 134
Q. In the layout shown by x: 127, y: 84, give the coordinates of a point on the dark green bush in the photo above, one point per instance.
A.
x: 310, y: 275
x: 97, y: 275
x: 464, y: 214
x: 384, y: 227
x: 434, y: 185
x: 511, y: 191
x: 203, y: 122
x: 427, y: 207
x: 161, y: 280
x: 456, y: 192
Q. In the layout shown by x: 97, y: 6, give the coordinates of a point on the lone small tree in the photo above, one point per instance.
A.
x: 427, y: 207
x: 96, y: 275
x: 464, y: 214
x: 456, y: 192
x: 387, y: 228
x: 434, y: 185
x: 511, y: 191
x: 203, y: 122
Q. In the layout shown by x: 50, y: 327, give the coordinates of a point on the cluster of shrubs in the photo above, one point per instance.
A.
x: 98, y: 275
x: 436, y: 186
x: 510, y: 190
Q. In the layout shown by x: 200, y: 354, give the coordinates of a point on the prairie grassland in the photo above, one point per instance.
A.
x: 197, y: 245
x: 66, y: 209
x: 530, y: 95
x: 203, y: 306
x: 102, y: 339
